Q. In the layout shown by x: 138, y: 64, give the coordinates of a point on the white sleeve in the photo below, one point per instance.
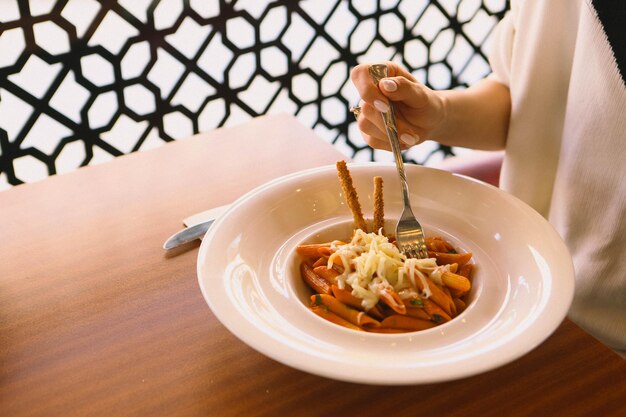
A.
x: 501, y: 52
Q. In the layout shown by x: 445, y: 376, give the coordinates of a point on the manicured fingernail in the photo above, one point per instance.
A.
x: 389, y: 85
x: 408, y: 140
x: 381, y: 106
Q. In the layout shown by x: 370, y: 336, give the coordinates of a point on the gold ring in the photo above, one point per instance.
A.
x: 356, y: 110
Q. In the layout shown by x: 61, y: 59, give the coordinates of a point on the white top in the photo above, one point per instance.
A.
x: 565, y: 152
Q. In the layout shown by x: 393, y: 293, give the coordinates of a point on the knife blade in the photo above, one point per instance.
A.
x: 187, y: 235
x: 198, y: 224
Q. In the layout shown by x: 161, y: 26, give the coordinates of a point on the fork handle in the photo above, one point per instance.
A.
x: 378, y: 72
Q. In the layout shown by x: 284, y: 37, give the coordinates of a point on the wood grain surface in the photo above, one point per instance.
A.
x: 97, y: 320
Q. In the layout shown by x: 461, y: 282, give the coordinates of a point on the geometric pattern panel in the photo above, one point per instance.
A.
x: 85, y: 81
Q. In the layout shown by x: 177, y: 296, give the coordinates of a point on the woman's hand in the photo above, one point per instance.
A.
x: 419, y: 111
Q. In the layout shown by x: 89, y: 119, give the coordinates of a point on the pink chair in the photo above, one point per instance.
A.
x: 481, y: 165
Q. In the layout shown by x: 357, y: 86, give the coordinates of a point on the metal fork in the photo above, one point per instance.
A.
x: 409, y: 232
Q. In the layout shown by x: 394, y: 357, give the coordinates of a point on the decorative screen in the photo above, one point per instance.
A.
x: 84, y: 81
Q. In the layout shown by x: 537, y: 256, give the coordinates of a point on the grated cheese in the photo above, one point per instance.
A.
x: 372, y: 264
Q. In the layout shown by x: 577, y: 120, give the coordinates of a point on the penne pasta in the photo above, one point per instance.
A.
x: 319, y: 284
x: 321, y: 261
x: 435, y: 312
x: 393, y: 300
x: 437, y: 295
x: 333, y: 318
x: 437, y: 244
x: 443, y: 303
x: 366, y: 284
x: 312, y: 250
x: 460, y: 304
x: 376, y: 312
x: 329, y: 274
x: 467, y: 270
x: 455, y: 281
x: 450, y: 258
x: 418, y: 313
x: 346, y: 297
x: 356, y: 317
x: 399, y: 321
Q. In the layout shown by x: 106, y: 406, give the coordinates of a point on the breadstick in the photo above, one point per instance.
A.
x: 379, y: 211
x: 350, y: 194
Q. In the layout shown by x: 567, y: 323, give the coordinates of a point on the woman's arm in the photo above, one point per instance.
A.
x: 477, y: 117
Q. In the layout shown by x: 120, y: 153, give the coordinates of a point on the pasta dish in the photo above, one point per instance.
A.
x: 367, y: 284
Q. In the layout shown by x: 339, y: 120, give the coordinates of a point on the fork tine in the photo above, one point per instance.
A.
x: 415, y: 250
x: 410, y: 251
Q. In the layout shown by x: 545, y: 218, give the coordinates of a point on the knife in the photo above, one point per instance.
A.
x: 197, y: 226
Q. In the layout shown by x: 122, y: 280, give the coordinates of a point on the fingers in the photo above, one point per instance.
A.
x: 365, y: 85
x: 410, y: 93
x: 372, y: 127
x: 401, y: 88
x: 373, y: 130
x: 370, y: 92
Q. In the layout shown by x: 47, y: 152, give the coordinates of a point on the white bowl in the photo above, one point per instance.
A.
x: 523, y: 283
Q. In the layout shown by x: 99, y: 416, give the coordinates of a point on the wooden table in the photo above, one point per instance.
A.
x: 96, y: 319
